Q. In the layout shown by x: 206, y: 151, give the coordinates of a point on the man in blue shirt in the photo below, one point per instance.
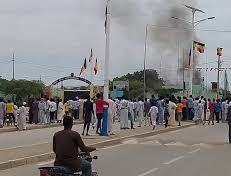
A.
x: 217, y: 110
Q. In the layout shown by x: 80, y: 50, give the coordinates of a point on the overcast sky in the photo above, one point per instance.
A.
x: 51, y: 38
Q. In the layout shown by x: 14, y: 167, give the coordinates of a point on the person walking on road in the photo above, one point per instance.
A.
x: 42, y: 111
x: 153, y: 113
x: 229, y: 121
x: 172, y: 113
x: 35, y: 110
x: 124, y: 104
x: 2, y: 112
x: 10, y: 110
x: 179, y: 111
x: 111, y: 115
x: 60, y: 111
x: 190, y: 105
x: 87, y: 114
x: 166, y: 112
x: 131, y: 113
x: 146, y: 112
x: 53, y: 109
x: 184, y: 111
x: 75, y: 108
x: 161, y: 110
x: 217, y: 110
x: 99, y: 102
x: 140, y: 111
x: 22, y: 117
x: 211, y: 111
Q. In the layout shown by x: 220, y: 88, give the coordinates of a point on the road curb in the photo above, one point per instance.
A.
x: 49, y: 156
x: 13, y: 129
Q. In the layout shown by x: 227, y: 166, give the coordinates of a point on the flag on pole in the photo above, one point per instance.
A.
x: 96, y: 67
x: 190, y: 57
x: 200, y: 47
x: 219, y: 51
x: 105, y: 24
x: 84, y: 67
x: 91, y: 56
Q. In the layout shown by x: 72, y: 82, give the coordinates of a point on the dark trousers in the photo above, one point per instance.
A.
x: 217, y: 114
x: 99, y: 118
x: 229, y: 131
x: 52, y: 116
x: 76, y: 113
x: 86, y: 124
x: 184, y: 113
x: 190, y: 113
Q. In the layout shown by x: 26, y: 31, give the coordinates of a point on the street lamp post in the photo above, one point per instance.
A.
x: 194, y: 24
x: 145, y: 54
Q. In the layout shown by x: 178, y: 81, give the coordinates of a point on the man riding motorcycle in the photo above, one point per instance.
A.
x: 66, y: 145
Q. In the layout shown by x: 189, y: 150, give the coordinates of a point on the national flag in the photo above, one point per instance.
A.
x: 96, y: 67
x: 84, y: 67
x: 200, y: 47
x: 190, y: 57
x: 219, y: 51
x: 105, y: 24
x: 91, y: 56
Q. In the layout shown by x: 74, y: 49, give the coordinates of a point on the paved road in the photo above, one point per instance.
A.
x: 37, y: 136
x: 192, y: 151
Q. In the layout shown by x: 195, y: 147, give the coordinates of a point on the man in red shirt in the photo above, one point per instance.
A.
x: 211, y: 109
x: 99, y: 111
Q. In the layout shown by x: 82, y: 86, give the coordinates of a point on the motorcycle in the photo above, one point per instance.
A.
x: 62, y: 171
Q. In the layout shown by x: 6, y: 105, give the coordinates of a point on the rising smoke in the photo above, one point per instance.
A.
x: 136, y: 13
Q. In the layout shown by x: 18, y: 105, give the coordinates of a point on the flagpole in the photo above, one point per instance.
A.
x: 107, y: 52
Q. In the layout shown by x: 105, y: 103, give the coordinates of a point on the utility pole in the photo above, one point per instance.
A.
x: 218, y: 76
x: 145, y: 54
x: 183, y: 74
x: 13, y: 67
x: 107, y: 50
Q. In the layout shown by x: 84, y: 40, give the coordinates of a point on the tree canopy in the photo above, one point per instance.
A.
x: 136, y: 82
x: 21, y: 88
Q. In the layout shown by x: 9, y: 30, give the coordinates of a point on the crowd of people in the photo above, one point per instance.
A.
x: 168, y: 111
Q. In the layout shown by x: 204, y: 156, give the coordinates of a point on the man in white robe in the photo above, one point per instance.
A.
x: 140, y: 111
x: 60, y: 111
x: 111, y: 115
x: 42, y: 111
x: 22, y: 113
x: 131, y: 113
x: 2, y: 112
x: 124, y: 114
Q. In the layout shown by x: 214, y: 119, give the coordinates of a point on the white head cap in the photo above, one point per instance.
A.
x: 24, y: 103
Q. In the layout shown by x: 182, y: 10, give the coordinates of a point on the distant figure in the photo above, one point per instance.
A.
x: 48, y: 119
x: 153, y: 113
x: 42, y: 111
x: 196, y: 108
x: 2, y: 112
x: 15, y: 113
x: 140, y: 111
x: 60, y: 111
x: 172, y: 111
x: 161, y: 110
x: 111, y: 115
x: 153, y: 101
x: 124, y: 113
x: 229, y: 121
x: 76, y: 108
x: 22, y: 117
x: 35, y: 110
x: 131, y: 113
x: 10, y: 110
x: 53, y: 108
x: 211, y: 110
x: 184, y: 111
x: 179, y: 111
x: 217, y: 110
x: 66, y: 108
x: 146, y: 112
x: 190, y: 107
x: 166, y: 112
x: 87, y: 114
x: 99, y: 111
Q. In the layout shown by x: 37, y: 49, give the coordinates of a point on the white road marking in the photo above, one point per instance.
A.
x: 176, y: 144
x: 148, y: 172
x: 174, y: 160
x: 46, y: 163
x: 113, y: 146
x: 131, y: 141
x: 152, y: 143
x: 194, y: 151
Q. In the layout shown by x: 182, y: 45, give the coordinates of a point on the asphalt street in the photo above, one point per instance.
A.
x: 198, y: 150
